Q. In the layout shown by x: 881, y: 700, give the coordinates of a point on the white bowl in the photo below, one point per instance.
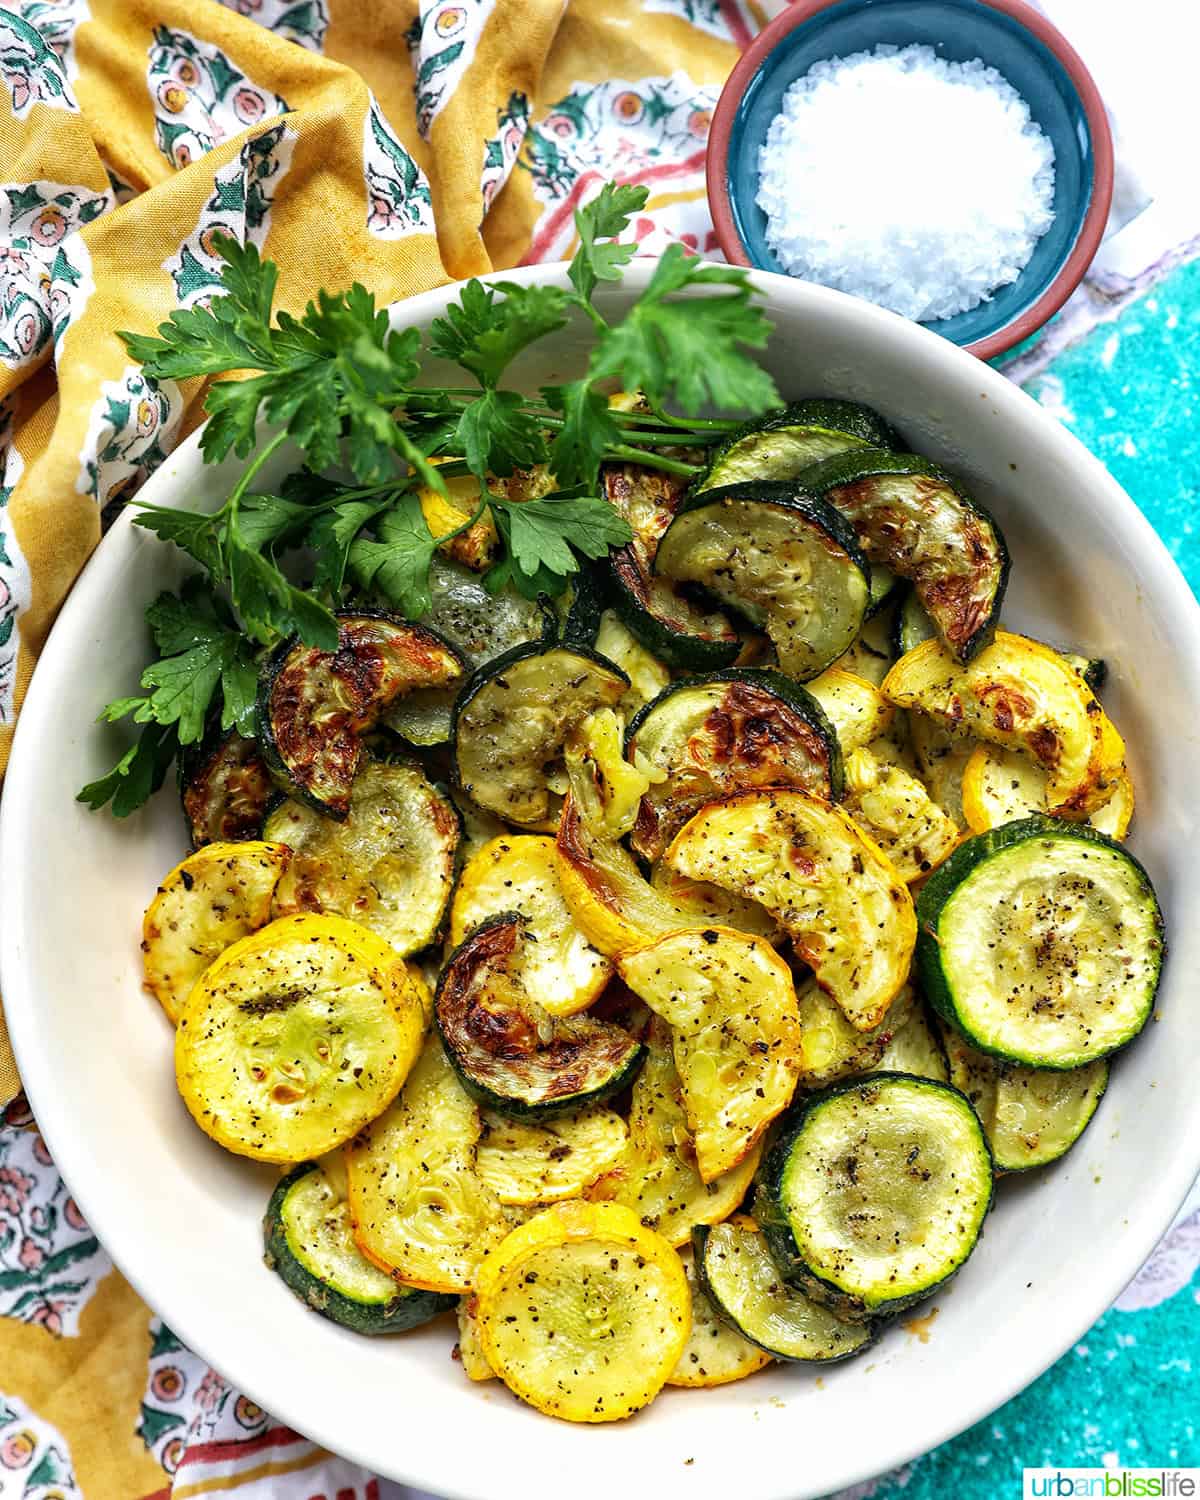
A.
x: 181, y: 1218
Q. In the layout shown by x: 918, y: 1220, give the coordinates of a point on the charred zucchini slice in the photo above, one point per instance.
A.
x: 390, y: 865
x: 715, y: 1353
x: 910, y: 516
x: 1031, y: 1115
x: 783, y: 443
x: 526, y: 1163
x: 294, y: 1038
x: 309, y: 1244
x: 783, y: 559
x: 226, y: 790
x: 743, y: 1284
x: 1041, y: 943
x: 735, y: 1034
x: 704, y: 737
x: 513, y: 717
x: 842, y: 902
x: 581, y: 605
x: 665, y: 621
x: 315, y: 706
x: 876, y: 1192
x: 513, y: 1061
x: 215, y: 896
x: 583, y: 1312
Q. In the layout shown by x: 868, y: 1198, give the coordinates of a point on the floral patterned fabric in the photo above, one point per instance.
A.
x: 437, y: 139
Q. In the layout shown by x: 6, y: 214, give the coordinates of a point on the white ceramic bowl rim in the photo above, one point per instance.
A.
x: 466, y: 1463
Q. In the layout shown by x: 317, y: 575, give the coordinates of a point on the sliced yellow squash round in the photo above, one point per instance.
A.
x: 658, y: 1177
x: 525, y: 1163
x: 470, y: 1351
x: 583, y: 1312
x: 647, y: 675
x: 296, y: 1037
x: 855, y: 707
x: 735, y: 1033
x: 419, y: 1207
x: 842, y: 901
x: 709, y: 905
x: 897, y: 812
x: 208, y: 901
x: 942, y: 755
x: 831, y: 1049
x: 999, y: 785
x: 1024, y: 696
x: 715, y: 1353
x: 560, y: 969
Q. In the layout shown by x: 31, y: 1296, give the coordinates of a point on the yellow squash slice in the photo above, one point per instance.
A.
x: 419, y: 1207
x: 208, y: 901
x: 855, y: 707
x: 831, y: 1049
x: 658, y: 1177
x: 715, y: 1353
x: 296, y: 1037
x: 895, y: 809
x: 941, y: 755
x: 583, y: 1312
x: 560, y: 969
x: 647, y: 675
x: 470, y: 1351
x: 1021, y: 695
x: 735, y: 1032
x: 843, y: 903
x: 525, y: 1163
x: 1000, y: 785
x: 708, y: 905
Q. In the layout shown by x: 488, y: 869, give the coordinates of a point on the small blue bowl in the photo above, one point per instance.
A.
x: 1006, y: 34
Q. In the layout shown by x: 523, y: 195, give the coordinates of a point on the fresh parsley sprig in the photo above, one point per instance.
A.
x: 342, y: 386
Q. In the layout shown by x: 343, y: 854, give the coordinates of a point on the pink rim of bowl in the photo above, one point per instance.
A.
x: 1091, y: 231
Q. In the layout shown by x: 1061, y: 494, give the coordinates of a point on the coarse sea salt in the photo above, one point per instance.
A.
x: 920, y: 184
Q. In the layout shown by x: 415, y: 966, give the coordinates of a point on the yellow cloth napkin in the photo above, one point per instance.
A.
x: 397, y: 143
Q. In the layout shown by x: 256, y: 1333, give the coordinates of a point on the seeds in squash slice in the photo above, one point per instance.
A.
x: 208, y: 901
x: 295, y: 1037
x: 583, y: 1312
x: 735, y: 1032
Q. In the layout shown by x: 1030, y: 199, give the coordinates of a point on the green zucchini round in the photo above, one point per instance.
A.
x: 727, y: 732
x: 1041, y: 942
x: 512, y: 718
x: 309, y: 1244
x: 911, y: 625
x: 524, y: 1066
x: 225, y: 788
x: 914, y: 518
x: 783, y: 559
x: 875, y: 1193
x: 743, y: 1284
x: 781, y: 444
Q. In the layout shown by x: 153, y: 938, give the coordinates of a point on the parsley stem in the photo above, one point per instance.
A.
x: 484, y: 500
x: 630, y: 455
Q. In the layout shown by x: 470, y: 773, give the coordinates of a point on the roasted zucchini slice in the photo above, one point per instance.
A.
x: 783, y: 559
x: 846, y: 909
x: 560, y: 970
x: 647, y: 675
x: 857, y: 710
x: 912, y: 624
x: 999, y: 786
x: 1041, y: 943
x: 208, y: 901
x: 295, y: 1037
x: 390, y: 865
x: 715, y: 1353
x: 509, y: 1057
x: 226, y: 789
x: 744, y: 1286
x: 876, y: 1192
x: 732, y: 731
x: 419, y: 1208
x: 910, y: 516
x: 309, y: 1244
x: 735, y: 1034
x: 658, y: 1177
x: 1031, y: 1116
x: 871, y: 654
x: 513, y: 717
x: 1019, y: 694
x: 784, y: 443
x: 315, y: 706
x: 525, y: 1163
x: 667, y: 622
x: 895, y: 809
x: 579, y: 607
x: 583, y: 1312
